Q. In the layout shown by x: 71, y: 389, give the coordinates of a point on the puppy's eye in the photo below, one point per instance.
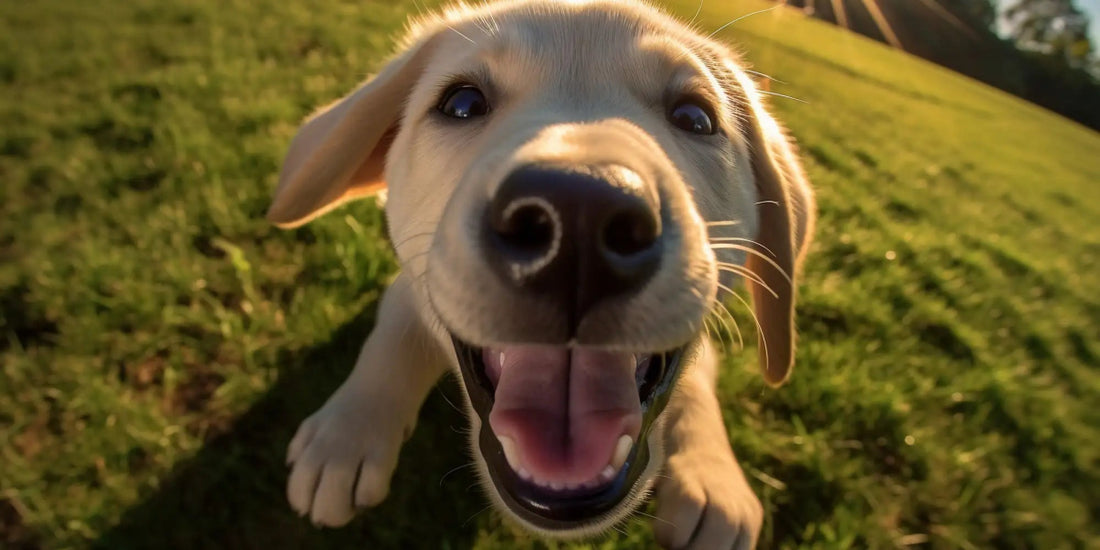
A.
x: 463, y: 101
x: 690, y: 117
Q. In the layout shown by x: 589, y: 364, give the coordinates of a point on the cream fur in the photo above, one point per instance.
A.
x: 577, y: 82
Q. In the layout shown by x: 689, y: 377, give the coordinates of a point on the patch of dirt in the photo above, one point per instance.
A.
x: 210, y: 426
x: 21, y: 316
x: 14, y: 534
x: 192, y: 398
x: 144, y: 374
x: 29, y: 441
x: 138, y: 460
x: 193, y: 394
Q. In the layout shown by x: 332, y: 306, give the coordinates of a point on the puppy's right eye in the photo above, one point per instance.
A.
x: 463, y: 101
x: 690, y: 117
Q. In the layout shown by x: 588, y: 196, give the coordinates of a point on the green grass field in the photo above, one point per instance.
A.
x: 159, y: 342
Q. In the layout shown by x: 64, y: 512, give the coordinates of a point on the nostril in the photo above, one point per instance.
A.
x: 526, y: 227
x: 630, y: 232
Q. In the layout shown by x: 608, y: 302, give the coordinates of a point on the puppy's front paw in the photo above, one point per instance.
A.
x: 706, y: 504
x: 342, y: 458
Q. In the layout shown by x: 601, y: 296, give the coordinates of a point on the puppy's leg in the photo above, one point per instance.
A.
x: 343, y: 456
x: 704, y: 502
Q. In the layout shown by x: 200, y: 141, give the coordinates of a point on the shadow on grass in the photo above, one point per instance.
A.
x: 230, y: 495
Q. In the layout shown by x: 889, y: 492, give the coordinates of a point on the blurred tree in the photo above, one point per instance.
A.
x: 1036, y: 49
x: 1053, y: 27
x: 979, y: 13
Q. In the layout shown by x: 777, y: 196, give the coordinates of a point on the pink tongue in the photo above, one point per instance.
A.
x: 564, y: 408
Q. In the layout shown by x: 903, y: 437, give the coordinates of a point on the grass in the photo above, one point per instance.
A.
x: 159, y: 342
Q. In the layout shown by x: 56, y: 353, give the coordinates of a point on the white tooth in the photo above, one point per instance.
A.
x: 555, y: 486
x: 524, y: 474
x: 510, y: 453
x: 501, y: 359
x: 622, y: 449
x: 607, y: 473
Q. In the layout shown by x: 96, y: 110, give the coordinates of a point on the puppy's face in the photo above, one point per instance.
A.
x: 570, y: 184
x: 557, y: 172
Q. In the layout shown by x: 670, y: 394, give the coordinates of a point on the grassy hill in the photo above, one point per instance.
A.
x: 159, y: 342
x: 943, y: 32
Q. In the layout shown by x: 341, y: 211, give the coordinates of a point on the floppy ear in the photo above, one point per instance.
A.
x: 340, y: 152
x: 785, y: 210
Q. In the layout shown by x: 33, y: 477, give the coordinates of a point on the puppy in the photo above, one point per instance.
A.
x: 572, y: 187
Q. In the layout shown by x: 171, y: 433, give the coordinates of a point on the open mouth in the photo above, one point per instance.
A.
x: 563, y: 429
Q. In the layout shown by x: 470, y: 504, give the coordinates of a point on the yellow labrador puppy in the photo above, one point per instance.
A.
x: 572, y: 185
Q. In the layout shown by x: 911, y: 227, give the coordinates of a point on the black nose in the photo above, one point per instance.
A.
x: 579, y: 235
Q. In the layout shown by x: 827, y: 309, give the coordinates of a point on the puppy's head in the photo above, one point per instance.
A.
x: 571, y: 185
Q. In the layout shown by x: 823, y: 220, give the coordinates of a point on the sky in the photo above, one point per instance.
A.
x: 1092, y: 7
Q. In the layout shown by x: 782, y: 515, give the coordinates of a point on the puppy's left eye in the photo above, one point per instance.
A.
x: 691, y: 117
x: 463, y: 101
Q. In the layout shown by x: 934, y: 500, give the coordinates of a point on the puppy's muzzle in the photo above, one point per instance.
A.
x: 576, y: 234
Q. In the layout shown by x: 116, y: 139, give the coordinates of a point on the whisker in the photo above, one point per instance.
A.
x: 759, y: 331
x: 784, y: 96
x: 706, y: 327
x: 736, y: 327
x: 698, y: 10
x: 483, y: 26
x: 462, y: 35
x: 720, y: 29
x: 476, y: 514
x: 727, y: 289
x: 496, y: 25
x: 717, y: 320
x: 662, y: 520
x: 762, y: 75
x: 758, y: 203
x: 758, y: 254
x: 720, y: 321
x: 453, y: 470
x: 718, y: 337
x: 725, y: 222
x: 744, y: 271
x: 742, y: 239
x: 448, y: 400
x: 748, y: 274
